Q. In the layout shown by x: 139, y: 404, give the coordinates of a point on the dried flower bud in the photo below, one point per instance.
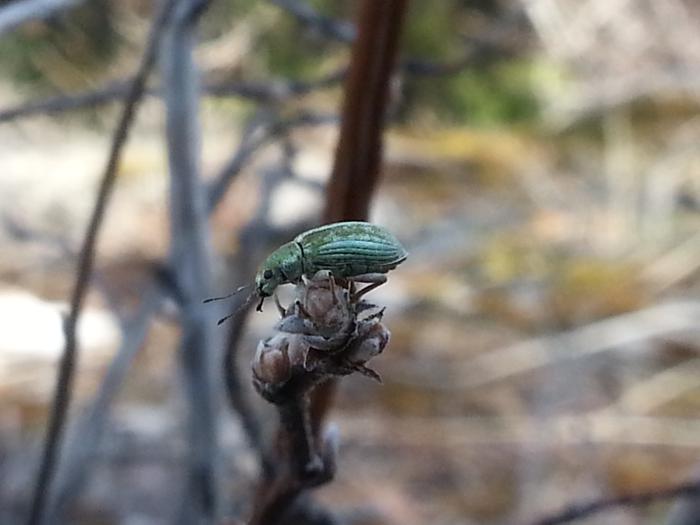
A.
x: 371, y: 340
x: 294, y: 324
x: 324, y: 332
x: 297, y: 350
x: 271, y: 363
x: 327, y: 305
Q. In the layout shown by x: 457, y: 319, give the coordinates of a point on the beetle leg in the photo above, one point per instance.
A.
x: 281, y: 309
x: 376, y: 279
x: 331, y: 280
x: 377, y: 315
x: 364, y: 305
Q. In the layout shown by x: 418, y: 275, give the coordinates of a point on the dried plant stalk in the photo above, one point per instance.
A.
x: 327, y: 331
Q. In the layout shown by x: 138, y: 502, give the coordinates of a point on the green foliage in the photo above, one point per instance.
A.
x: 220, y: 16
x: 431, y: 29
x: 491, y: 92
x: 290, y: 49
x: 500, y: 94
x: 78, y: 47
x: 62, y: 52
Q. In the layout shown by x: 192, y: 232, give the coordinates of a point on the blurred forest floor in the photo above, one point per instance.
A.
x: 544, y: 329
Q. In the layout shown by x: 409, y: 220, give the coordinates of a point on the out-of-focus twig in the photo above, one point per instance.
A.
x: 64, y: 382
x: 684, y: 511
x: 579, y: 511
x: 19, y: 12
x: 507, y: 37
x: 336, y: 29
x: 60, y: 103
x: 653, y: 392
x: 269, y: 92
x: 253, y: 140
x: 89, y: 429
x: 190, y: 251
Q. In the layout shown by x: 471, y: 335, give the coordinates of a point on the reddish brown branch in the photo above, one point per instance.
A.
x: 367, y: 87
x: 359, y: 151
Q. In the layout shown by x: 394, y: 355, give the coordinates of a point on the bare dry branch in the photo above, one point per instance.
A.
x: 273, y: 91
x: 89, y: 429
x: 190, y: 251
x: 358, y: 154
x: 340, y: 30
x: 252, y: 141
x: 62, y: 396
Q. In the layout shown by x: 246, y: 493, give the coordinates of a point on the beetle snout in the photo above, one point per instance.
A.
x: 264, y: 289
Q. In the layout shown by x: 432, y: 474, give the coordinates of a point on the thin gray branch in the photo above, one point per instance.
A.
x: 252, y: 142
x: 190, y: 252
x: 340, y: 30
x: 268, y: 92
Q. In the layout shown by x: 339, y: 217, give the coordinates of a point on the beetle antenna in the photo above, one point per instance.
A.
x: 237, y: 310
x: 239, y: 289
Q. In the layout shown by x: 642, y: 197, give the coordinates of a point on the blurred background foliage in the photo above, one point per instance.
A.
x: 542, y: 168
x: 97, y: 40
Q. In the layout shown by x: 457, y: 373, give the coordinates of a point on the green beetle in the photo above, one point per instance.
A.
x: 354, y: 250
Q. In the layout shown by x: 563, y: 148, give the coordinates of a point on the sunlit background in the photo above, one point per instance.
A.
x: 542, y: 168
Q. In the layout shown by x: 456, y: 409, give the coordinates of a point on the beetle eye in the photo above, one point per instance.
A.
x: 267, y: 274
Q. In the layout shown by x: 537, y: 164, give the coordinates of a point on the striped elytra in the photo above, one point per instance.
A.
x: 350, y: 248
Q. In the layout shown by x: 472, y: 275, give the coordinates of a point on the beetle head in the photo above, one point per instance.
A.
x: 266, y: 280
x: 281, y: 266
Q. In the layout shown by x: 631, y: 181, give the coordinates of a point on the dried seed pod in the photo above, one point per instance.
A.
x: 326, y: 304
x: 271, y: 363
x: 297, y: 350
x: 323, y: 312
x: 371, y: 340
x: 324, y: 332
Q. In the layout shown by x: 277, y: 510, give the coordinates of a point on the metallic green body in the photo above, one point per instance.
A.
x: 347, y: 249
